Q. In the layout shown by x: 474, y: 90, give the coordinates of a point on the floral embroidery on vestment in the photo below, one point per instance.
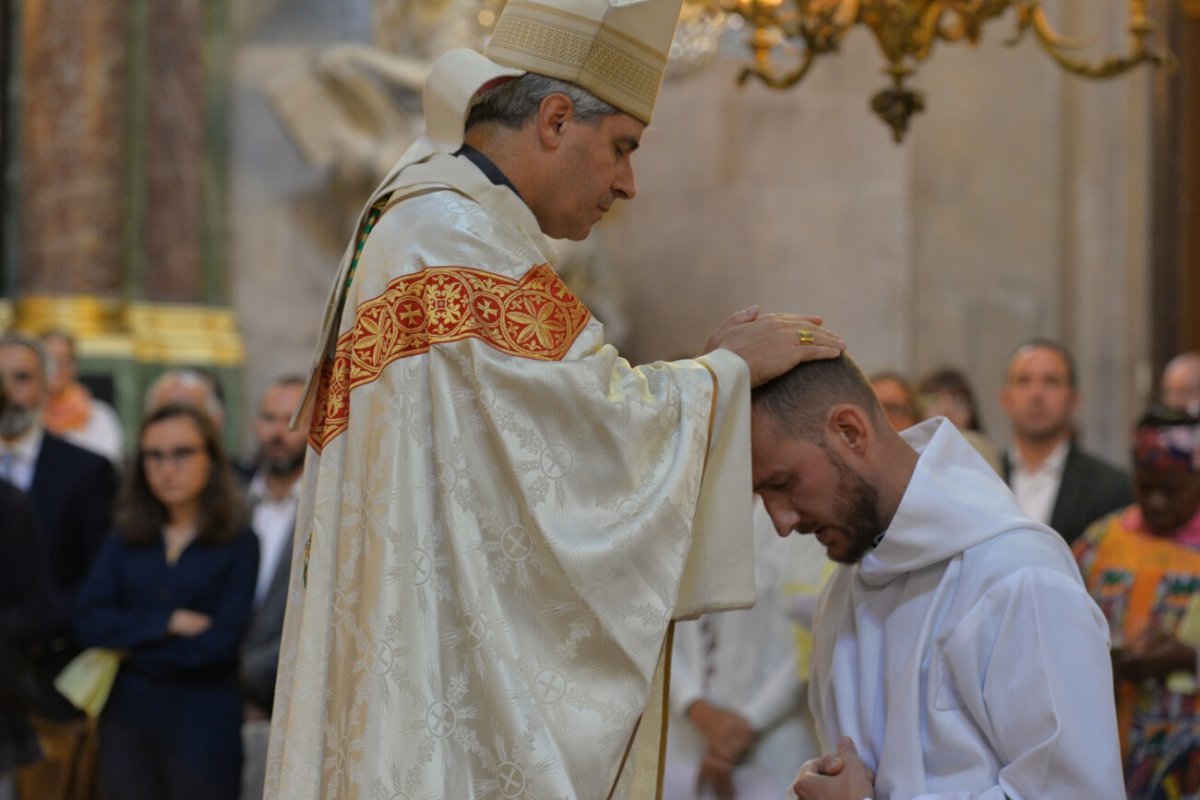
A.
x: 535, y: 317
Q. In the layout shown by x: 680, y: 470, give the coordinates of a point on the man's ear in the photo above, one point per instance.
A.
x: 553, y: 113
x: 849, y: 428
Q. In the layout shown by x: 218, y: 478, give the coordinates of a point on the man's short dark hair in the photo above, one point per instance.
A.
x: 513, y: 103
x: 802, y: 397
x: 1047, y: 344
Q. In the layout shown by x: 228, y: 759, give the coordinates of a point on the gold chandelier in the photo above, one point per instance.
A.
x: 906, y: 31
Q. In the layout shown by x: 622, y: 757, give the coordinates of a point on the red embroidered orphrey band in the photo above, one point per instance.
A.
x: 536, y: 317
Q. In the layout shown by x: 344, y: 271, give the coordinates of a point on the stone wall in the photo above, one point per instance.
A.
x: 1016, y: 207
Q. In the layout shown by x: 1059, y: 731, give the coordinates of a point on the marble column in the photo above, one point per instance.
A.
x: 178, y: 308
x: 72, y: 127
x: 116, y: 222
x: 66, y: 179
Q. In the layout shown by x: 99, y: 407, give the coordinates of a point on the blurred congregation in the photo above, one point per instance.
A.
x: 176, y: 556
x: 169, y: 227
x: 154, y: 543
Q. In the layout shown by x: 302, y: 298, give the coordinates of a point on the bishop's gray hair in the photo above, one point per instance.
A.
x: 513, y: 103
x: 800, y: 399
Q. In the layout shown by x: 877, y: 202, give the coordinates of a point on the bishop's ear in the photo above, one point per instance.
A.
x: 553, y: 114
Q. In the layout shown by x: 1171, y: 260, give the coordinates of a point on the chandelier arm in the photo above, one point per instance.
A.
x: 773, y: 79
x: 1053, y: 45
x: 1042, y: 25
x: 926, y: 31
x: 1023, y: 24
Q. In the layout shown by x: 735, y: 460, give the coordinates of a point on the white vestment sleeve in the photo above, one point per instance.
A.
x: 1028, y: 665
x: 719, y: 572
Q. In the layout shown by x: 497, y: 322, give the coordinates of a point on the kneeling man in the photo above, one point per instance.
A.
x: 956, y: 652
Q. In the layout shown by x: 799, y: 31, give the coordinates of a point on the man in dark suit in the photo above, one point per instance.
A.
x: 273, y: 494
x: 25, y: 599
x: 1055, y: 481
x: 71, y: 492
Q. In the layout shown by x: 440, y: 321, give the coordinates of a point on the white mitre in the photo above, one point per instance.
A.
x: 615, y: 49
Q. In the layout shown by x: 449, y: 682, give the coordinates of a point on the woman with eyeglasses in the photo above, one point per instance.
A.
x: 172, y: 591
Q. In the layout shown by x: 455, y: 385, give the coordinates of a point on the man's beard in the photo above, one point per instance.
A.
x: 857, y: 507
x: 282, y: 466
x: 16, y: 421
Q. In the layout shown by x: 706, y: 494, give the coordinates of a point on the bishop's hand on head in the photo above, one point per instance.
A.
x: 773, y: 343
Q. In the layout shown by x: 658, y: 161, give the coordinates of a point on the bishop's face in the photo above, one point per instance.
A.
x: 808, y: 488
x: 594, y: 169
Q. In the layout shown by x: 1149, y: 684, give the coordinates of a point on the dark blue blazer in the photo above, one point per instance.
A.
x: 174, y: 716
x: 72, y: 497
x: 25, y: 599
x: 131, y: 592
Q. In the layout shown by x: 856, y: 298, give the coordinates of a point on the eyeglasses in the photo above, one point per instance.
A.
x: 175, y: 456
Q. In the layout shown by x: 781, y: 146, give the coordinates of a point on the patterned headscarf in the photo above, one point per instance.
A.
x: 1167, y: 441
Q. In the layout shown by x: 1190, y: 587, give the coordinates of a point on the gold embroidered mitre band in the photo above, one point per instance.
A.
x: 615, y: 49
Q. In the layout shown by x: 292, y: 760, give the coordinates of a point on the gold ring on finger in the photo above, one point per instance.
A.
x: 805, y: 335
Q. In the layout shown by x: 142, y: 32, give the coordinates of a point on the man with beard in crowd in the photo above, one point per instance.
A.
x: 955, y: 650
x: 272, y: 495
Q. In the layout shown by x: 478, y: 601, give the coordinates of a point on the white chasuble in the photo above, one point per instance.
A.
x: 499, y: 519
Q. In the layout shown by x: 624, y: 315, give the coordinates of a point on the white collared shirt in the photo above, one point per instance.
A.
x: 273, y: 521
x: 1037, y: 489
x: 18, y: 459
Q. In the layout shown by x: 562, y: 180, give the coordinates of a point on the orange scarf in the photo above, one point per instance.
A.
x: 70, y: 410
